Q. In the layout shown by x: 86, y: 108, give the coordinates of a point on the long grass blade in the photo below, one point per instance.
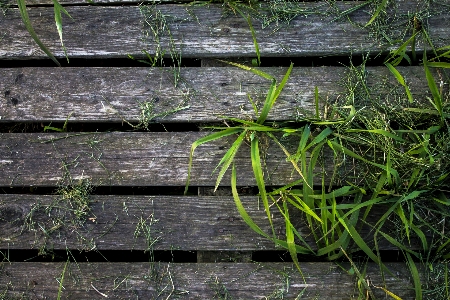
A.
x: 400, y: 80
x: 58, y: 8
x: 415, y: 276
x: 253, y: 70
x: 29, y: 27
x: 290, y: 240
x: 206, y: 139
x: 229, y: 157
x: 377, y: 12
x: 259, y: 176
x: 437, y: 101
x: 58, y: 297
x: 273, y: 94
x: 255, y: 42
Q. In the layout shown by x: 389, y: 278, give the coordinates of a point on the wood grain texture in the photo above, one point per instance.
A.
x: 195, y: 281
x: 128, y: 159
x: 175, y: 223
x: 110, y: 94
x: 107, y: 32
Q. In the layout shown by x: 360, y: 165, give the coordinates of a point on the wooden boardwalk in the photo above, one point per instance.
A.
x: 121, y: 162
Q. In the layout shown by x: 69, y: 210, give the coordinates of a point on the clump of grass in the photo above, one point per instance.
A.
x: 219, y: 289
x: 77, y: 196
x: 147, y: 114
x: 382, y: 155
x: 144, y: 228
x: 70, y: 209
x: 156, y: 27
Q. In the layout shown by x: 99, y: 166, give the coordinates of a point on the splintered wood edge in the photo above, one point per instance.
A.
x: 198, y: 281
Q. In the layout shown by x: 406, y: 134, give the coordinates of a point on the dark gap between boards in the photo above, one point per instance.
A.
x: 341, y: 60
x: 174, y: 256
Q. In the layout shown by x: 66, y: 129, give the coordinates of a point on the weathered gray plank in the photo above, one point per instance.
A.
x: 195, y: 281
x: 117, y: 31
x: 108, y: 94
x: 174, y: 222
x: 184, y: 223
x: 127, y: 159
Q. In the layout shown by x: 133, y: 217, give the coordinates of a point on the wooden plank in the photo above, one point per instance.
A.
x: 195, y: 281
x: 108, y: 94
x: 127, y: 159
x: 109, y: 32
x: 133, y: 222
x: 180, y: 223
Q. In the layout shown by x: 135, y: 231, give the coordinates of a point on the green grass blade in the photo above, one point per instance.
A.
x: 290, y: 240
x: 358, y: 240
x: 400, y: 80
x: 240, y: 207
x: 304, y: 139
x: 229, y: 157
x: 206, y: 139
x: 320, y: 137
x: 272, y: 96
x: 335, y: 146
x: 437, y: 101
x: 377, y: 12
x: 58, y: 297
x: 255, y: 42
x: 58, y: 8
x: 415, y: 276
x: 29, y: 27
x: 400, y: 53
x: 259, y: 177
x: 396, y: 243
x: 316, y: 102
x: 405, y: 222
x: 438, y: 64
x: 305, y: 208
x: 253, y: 70
x: 421, y: 236
x: 286, y: 152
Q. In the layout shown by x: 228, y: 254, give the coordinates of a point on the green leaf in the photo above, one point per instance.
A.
x: 258, y: 172
x: 272, y: 95
x: 359, y: 241
x: 253, y: 70
x: 58, y: 19
x: 437, y: 101
x: 377, y: 12
x: 438, y: 64
x: 400, y: 80
x: 415, y: 276
x: 290, y: 239
x: 206, y: 139
x: 228, y: 158
x: 335, y: 146
x: 316, y: 101
x: 255, y: 42
x: 29, y: 27
x: 58, y: 297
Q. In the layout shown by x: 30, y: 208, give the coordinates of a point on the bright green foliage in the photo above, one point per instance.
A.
x: 58, y: 8
x: 401, y: 170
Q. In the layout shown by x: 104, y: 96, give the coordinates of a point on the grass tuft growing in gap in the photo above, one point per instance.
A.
x: 390, y: 156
